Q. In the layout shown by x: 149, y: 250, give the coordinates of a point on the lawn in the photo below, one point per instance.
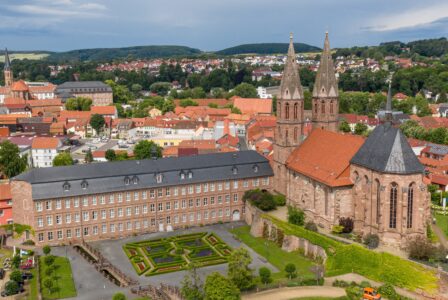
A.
x: 157, y: 256
x: 33, y: 292
x: 377, y: 266
x: 64, y: 284
x: 274, y: 254
x: 442, y: 223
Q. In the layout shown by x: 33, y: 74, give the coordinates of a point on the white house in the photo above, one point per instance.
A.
x: 44, y: 150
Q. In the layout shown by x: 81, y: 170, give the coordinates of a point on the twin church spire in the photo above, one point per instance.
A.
x: 290, y: 87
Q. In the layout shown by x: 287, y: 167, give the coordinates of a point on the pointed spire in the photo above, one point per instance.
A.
x: 388, y: 112
x: 290, y: 87
x: 326, y: 84
x: 7, y: 61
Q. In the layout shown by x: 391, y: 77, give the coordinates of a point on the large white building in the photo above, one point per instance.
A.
x: 44, y: 150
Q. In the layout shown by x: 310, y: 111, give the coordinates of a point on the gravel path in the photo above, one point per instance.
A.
x: 296, y: 292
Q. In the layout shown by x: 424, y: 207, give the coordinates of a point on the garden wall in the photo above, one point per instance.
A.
x: 265, y: 228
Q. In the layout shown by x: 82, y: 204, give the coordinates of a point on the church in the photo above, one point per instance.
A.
x: 376, y: 181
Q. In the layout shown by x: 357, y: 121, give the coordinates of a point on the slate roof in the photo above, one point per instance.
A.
x: 326, y: 84
x: 83, y: 84
x: 386, y: 150
x: 7, y: 65
x: 290, y: 86
x: 48, y: 183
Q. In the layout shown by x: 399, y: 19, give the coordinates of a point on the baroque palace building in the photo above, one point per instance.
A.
x: 377, y: 181
x: 118, y: 199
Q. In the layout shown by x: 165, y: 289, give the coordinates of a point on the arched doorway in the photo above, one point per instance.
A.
x: 236, y: 215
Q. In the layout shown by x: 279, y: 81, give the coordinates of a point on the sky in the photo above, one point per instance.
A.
x: 60, y: 25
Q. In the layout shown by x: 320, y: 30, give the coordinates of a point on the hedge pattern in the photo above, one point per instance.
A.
x: 172, y: 254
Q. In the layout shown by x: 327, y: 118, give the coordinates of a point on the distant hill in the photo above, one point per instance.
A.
x: 266, y: 48
x: 107, y: 54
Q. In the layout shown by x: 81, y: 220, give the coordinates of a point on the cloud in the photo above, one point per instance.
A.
x: 416, y: 17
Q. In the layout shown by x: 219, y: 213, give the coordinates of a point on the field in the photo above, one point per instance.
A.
x: 63, y: 285
x: 24, y: 56
x: 172, y: 254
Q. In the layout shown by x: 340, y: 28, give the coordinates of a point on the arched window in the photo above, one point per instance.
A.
x: 287, y: 111
x: 378, y: 201
x: 315, y: 106
x: 393, y: 205
x: 331, y: 107
x: 296, y: 111
x: 296, y: 135
x: 356, y: 175
x: 410, y: 206
x: 323, y: 107
x: 286, y: 135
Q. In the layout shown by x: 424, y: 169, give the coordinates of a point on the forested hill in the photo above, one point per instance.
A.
x: 266, y: 48
x: 138, y: 52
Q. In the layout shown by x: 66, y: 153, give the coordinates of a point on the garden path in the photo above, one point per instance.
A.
x: 295, y: 292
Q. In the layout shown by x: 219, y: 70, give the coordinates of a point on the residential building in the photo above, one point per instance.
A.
x: 99, y: 92
x: 5, y: 204
x: 44, y: 150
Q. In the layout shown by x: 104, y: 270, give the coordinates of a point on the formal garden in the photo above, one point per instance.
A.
x: 176, y: 253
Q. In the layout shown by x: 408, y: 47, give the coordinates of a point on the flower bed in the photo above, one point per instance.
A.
x: 173, y: 254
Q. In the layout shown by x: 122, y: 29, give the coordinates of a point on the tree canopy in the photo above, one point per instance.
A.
x: 62, y: 159
x: 79, y: 103
x: 218, y: 287
x: 11, y: 163
x: 97, y: 122
x: 147, y: 149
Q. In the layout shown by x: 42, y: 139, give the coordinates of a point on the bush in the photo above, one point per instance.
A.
x: 119, y: 296
x: 16, y: 276
x: 49, y: 260
x: 311, y: 226
x: 261, y: 199
x: 296, y: 216
x: 290, y: 269
x: 388, y: 291
x: 347, y: 224
x: 46, y: 249
x: 372, y: 241
x: 265, y: 275
x: 11, y: 287
x: 280, y: 200
x: 421, y: 248
x: 29, y: 243
x: 337, y: 229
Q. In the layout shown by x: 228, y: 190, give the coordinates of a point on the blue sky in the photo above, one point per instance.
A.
x: 212, y: 24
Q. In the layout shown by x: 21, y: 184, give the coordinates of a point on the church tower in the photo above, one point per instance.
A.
x: 290, y: 120
x: 7, y: 70
x: 325, y: 108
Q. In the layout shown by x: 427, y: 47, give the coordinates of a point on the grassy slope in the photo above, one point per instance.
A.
x: 442, y: 223
x: 383, y: 267
x: 274, y: 254
x: 64, y: 282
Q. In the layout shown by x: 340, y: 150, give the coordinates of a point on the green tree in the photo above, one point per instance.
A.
x: 213, y: 105
x: 187, y: 102
x: 48, y: 283
x: 63, y: 159
x: 79, y: 103
x: 136, y: 88
x: 218, y: 287
x: 192, y: 286
x: 147, y: 149
x: 88, y: 158
x: 360, y: 128
x: 49, y: 260
x: 46, y: 249
x: 168, y: 105
x: 97, y: 122
x: 296, y: 216
x: 160, y: 88
x: 238, y: 270
x: 236, y: 110
x: 11, y: 163
x: 16, y: 260
x: 291, y: 270
x: 245, y: 90
x: 119, y: 296
x: 16, y: 276
x: 110, y: 155
x: 344, y: 126
x: 12, y: 287
x: 121, y: 92
x: 265, y: 275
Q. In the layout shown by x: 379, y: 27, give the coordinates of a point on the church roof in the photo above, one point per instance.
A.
x: 290, y: 87
x: 325, y: 157
x: 20, y: 86
x: 386, y: 150
x: 7, y: 65
x: 326, y: 84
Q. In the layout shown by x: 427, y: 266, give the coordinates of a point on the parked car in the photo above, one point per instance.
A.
x: 27, y: 276
x: 123, y: 146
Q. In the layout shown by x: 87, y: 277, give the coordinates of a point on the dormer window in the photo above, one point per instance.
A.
x: 182, y: 175
x: 135, y: 180
x: 190, y: 174
x: 159, y: 178
x: 66, y: 186
x: 255, y: 168
x: 84, y: 184
x: 234, y: 170
x: 127, y: 180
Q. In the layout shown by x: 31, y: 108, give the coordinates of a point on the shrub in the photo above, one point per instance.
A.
x: 16, y: 260
x: 11, y: 287
x: 296, y: 216
x: 49, y: 260
x: 119, y: 296
x: 337, y: 229
x: 16, y: 276
x: 280, y: 200
x: 261, y: 199
x: 311, y: 226
x: 347, y: 224
x: 387, y: 291
x: 290, y: 269
x: 371, y: 241
x: 46, y: 249
x: 421, y: 248
x: 265, y: 275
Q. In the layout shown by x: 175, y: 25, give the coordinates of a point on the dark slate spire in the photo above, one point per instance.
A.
x: 388, y: 112
x: 7, y: 61
x: 326, y: 84
x: 290, y: 87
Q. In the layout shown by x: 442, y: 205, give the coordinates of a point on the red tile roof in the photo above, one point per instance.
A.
x: 20, y: 86
x: 325, y: 156
x: 253, y: 105
x: 103, y: 110
x: 205, y: 102
x: 45, y: 143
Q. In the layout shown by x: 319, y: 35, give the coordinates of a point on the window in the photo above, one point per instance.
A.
x: 331, y: 107
x: 176, y: 204
x: 212, y: 200
x: 41, y: 237
x: 129, y: 225
x: 159, y: 178
x: 159, y: 193
x: 378, y: 201
x: 85, y: 215
x: 190, y: 203
x: 246, y: 183
x: 58, y: 219
x: 167, y: 192
x: 103, y: 228
x: 255, y: 182
x: 94, y: 202
x: 85, y: 201
x: 128, y: 196
x: 78, y: 232
x: 68, y: 233
x: 206, y: 214
x: 111, y: 198
x: 205, y: 202
x: 286, y: 111
x: 183, y: 191
x: 67, y: 203
x: 152, y: 194
x: 40, y: 222
x: 168, y: 206
x: 59, y: 234
x: 103, y: 214
x: 77, y: 217
x: 145, y: 209
x: 393, y: 206
x: 198, y: 216
x: 102, y: 199
x: 176, y: 191
x: 144, y: 195
x: 136, y: 196
x: 128, y: 211
x: 160, y: 207
x: 86, y: 231
x: 296, y: 111
x: 219, y: 186
x: 84, y: 184
x: 112, y: 228
x: 265, y: 180
x: 322, y: 107
x: 127, y: 180
x: 50, y: 235
x: 135, y: 180
x: 227, y: 212
x: 49, y: 220
x: 255, y: 168
x: 120, y: 212
x: 227, y: 185
x: 58, y: 204
x: 184, y: 204
x: 190, y: 174
x: 66, y: 186
x: 120, y: 226
x: 220, y: 213
x: 410, y: 209
x: 48, y: 205
x: 39, y: 206
x: 205, y: 187
x: 111, y: 213
x: 227, y: 198
x: 198, y: 188
x: 212, y: 187
x: 235, y: 197
x: 191, y: 217
x: 235, y: 184
x: 190, y: 189
x: 152, y: 207
x: 137, y: 210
